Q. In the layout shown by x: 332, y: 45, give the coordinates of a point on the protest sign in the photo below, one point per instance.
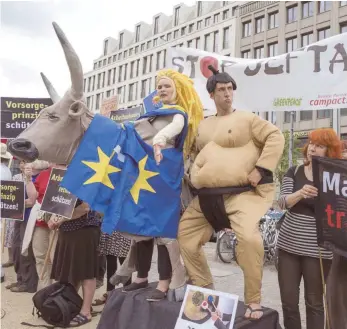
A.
x: 58, y: 200
x: 12, y: 200
x: 316, y: 74
x: 109, y: 105
x: 124, y: 115
x: 330, y: 177
x: 205, y: 309
x: 17, y: 114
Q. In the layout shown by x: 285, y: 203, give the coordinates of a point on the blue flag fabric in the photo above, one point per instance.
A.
x: 114, y: 171
x: 148, y: 102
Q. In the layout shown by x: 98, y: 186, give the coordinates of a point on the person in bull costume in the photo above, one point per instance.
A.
x: 236, y: 155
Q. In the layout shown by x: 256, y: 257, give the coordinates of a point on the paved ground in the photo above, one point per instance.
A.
x: 228, y: 278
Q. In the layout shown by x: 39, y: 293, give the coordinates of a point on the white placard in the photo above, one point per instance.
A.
x: 207, y: 309
x: 311, y: 78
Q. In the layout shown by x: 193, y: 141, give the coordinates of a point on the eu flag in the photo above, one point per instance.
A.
x: 149, y: 104
x: 115, y: 172
x: 150, y: 203
x: 94, y: 170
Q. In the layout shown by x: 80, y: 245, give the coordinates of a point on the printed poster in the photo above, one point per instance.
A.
x: 207, y: 309
x: 17, y: 114
x: 12, y: 200
x: 58, y: 200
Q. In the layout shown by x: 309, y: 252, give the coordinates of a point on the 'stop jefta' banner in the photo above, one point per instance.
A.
x: 311, y: 78
x: 17, y: 114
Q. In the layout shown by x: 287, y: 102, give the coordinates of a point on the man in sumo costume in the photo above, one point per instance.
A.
x: 236, y: 155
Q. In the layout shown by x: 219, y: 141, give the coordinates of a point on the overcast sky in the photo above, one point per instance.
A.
x: 29, y: 44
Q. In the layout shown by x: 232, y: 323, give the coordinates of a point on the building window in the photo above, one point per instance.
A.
x: 190, y: 43
x: 246, y: 54
x: 137, y: 35
x: 98, y: 85
x: 142, y: 48
x: 199, y: 24
x: 131, y: 91
x: 121, y: 40
x: 144, y: 65
x: 114, y: 76
x: 136, y: 49
x: 343, y: 112
x: 143, y: 88
x: 343, y: 3
x: 125, y: 72
x: 306, y: 39
x: 291, y: 44
x: 97, y: 105
x: 215, y: 41
x: 259, y: 24
x: 95, y: 66
x: 177, y: 16
x: 207, y: 21
x: 226, y: 31
x: 324, y: 6
x: 156, y: 25
x: 150, y: 62
x: 226, y: 14
x: 176, y: 34
x: 273, y: 20
x: 197, y: 44
x: 168, y: 37
x: 216, y: 18
x: 109, y: 77
x: 343, y: 28
x: 155, y: 42
x: 183, y: 30
x: 307, y: 9
x: 323, y: 114
x: 272, y: 49
x: 190, y: 28
x: 131, y: 51
x: 199, y: 11
x: 132, y: 69
x: 306, y: 115
x: 105, y: 47
x: 259, y: 52
x: 292, y: 14
x: 247, y: 29
x: 108, y: 93
x: 287, y: 115
x: 125, y: 54
x: 120, y: 73
x: 324, y: 33
x: 149, y: 44
x: 207, y: 41
x: 225, y: 3
x: 104, y: 62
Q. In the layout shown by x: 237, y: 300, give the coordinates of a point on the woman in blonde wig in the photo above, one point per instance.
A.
x: 177, y: 94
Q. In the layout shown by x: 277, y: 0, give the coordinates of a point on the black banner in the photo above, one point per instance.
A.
x: 330, y: 177
x: 18, y: 113
x: 12, y: 200
x: 58, y: 200
x: 124, y: 115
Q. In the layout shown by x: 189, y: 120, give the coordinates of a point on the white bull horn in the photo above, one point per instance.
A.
x: 73, y: 62
x: 51, y: 91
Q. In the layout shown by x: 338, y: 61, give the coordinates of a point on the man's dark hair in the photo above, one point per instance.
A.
x: 218, y: 77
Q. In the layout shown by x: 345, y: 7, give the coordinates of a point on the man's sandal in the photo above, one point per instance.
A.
x: 100, y: 301
x: 253, y: 310
x: 79, y: 320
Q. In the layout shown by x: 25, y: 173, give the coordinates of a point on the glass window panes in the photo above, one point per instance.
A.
x: 305, y: 115
x: 291, y: 44
x: 292, y: 13
x: 343, y: 3
x: 343, y: 28
x: 324, y: 6
x: 273, y: 20
x: 323, y: 114
x: 226, y: 37
x: 307, y: 9
x: 259, y: 52
x: 247, y: 29
x: 324, y: 33
x: 246, y: 54
x: 306, y: 39
x: 273, y: 49
x: 259, y: 24
x: 287, y: 115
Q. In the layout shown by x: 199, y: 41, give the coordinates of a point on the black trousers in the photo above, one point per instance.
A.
x: 24, y: 266
x: 111, y: 266
x: 144, y: 253
x: 291, y: 268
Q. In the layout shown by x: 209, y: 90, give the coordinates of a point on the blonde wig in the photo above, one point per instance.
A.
x: 187, y: 100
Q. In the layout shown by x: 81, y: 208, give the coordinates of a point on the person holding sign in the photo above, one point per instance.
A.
x: 299, y: 254
x: 236, y: 155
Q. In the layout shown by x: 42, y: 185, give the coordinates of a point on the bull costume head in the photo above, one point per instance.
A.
x: 56, y: 133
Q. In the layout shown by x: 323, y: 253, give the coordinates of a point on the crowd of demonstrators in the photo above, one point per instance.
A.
x: 24, y: 265
x: 299, y: 254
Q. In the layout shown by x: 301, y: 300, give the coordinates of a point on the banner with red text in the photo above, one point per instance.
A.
x: 330, y: 177
x: 311, y: 78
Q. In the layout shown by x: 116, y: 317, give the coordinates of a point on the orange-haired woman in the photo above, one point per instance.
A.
x: 297, y: 243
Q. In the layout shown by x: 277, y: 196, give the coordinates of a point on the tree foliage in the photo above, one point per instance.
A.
x: 283, y: 165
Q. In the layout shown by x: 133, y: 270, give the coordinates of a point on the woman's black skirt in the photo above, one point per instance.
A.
x: 76, y: 255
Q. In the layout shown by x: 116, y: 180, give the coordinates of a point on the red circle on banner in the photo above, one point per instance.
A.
x: 205, y: 62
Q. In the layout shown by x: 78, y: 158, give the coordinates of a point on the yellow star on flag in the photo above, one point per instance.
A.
x: 102, y: 170
x: 141, y: 181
